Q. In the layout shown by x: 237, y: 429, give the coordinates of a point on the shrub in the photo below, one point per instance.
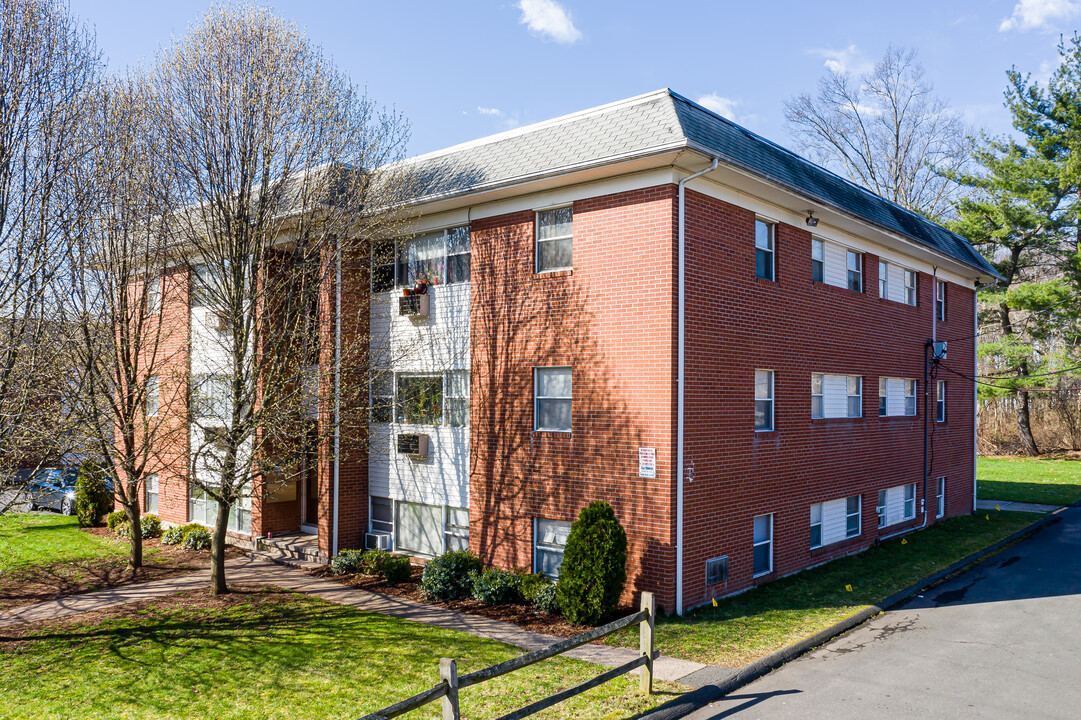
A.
x: 396, y: 568
x: 92, y: 496
x: 151, y: 526
x: 373, y: 561
x: 594, y: 567
x: 198, y: 538
x: 496, y: 587
x: 447, y: 576
x: 544, y: 599
x: 347, y: 562
x: 172, y: 536
x: 116, y: 518
x: 531, y: 583
x: 185, y: 529
x: 123, y: 529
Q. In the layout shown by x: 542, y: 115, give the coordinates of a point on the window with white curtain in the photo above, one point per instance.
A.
x: 552, y: 399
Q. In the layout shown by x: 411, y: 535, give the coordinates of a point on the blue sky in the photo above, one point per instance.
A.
x: 461, y: 70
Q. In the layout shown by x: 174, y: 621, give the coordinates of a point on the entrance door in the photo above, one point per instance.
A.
x: 309, y: 522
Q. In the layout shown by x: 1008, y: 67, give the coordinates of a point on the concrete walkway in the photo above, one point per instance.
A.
x: 253, y: 571
x: 1014, y: 506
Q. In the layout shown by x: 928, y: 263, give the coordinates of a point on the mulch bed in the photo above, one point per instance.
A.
x: 524, y: 616
x: 50, y: 582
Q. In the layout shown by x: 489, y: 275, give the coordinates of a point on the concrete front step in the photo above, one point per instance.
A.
x: 300, y: 548
x: 280, y: 558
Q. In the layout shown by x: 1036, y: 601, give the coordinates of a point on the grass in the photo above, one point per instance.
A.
x: 1044, y: 480
x: 30, y: 539
x: 746, y: 627
x: 272, y: 654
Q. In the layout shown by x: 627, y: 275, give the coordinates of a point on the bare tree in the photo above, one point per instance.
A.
x: 48, y: 62
x: 271, y: 149
x: 128, y: 355
x: 886, y: 130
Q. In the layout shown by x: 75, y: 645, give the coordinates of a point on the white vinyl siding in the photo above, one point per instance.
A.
x: 899, y: 284
x: 900, y: 396
x: 896, y: 505
x: 833, y: 521
x: 837, y: 264
x: 840, y: 396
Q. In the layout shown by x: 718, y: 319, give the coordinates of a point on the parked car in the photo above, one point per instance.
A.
x: 53, y: 489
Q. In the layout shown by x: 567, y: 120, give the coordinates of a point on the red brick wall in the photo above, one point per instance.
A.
x: 736, y: 324
x: 611, y: 320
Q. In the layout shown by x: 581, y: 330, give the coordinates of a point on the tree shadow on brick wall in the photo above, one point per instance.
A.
x: 521, y: 321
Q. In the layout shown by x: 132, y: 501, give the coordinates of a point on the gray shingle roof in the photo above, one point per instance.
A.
x: 660, y: 122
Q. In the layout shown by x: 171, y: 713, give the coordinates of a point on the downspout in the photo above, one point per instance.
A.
x: 337, y: 386
x: 680, y: 367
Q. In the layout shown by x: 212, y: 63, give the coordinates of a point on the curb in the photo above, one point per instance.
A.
x: 707, y: 694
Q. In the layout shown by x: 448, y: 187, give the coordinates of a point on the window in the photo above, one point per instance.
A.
x: 457, y: 529
x: 202, y: 509
x: 205, y: 287
x: 552, y: 407
x: 549, y: 540
x: 883, y: 280
x: 818, y: 259
x: 555, y: 232
x: 818, y: 400
x: 853, y: 515
x: 910, y: 502
x: 940, y: 402
x: 211, y: 397
x: 439, y: 258
x: 763, y: 250
x: 382, y: 520
x: 882, y: 398
x: 880, y: 509
x: 910, y: 397
x: 381, y: 400
x: 458, y: 255
x: 153, y: 295
x: 940, y: 300
x: 383, y: 265
x: 910, y: 287
x: 763, y: 545
x: 896, y: 397
x: 422, y: 258
x: 855, y: 396
x: 940, y: 497
x: 151, y: 486
x: 419, y: 399
x: 418, y: 528
x: 855, y: 271
x: 763, y: 400
x: 153, y: 399
x: 457, y: 400
x: 816, y: 525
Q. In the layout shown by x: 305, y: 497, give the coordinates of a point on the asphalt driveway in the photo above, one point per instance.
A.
x: 1000, y: 641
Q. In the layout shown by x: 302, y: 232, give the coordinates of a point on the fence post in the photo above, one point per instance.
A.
x: 448, y: 673
x: 645, y: 642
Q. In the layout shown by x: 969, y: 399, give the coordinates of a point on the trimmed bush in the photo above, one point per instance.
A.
x: 123, y: 530
x: 347, y: 562
x: 544, y: 600
x: 172, y: 536
x: 185, y: 529
x: 496, y: 587
x: 594, y: 567
x: 396, y: 568
x: 374, y: 561
x: 92, y: 496
x: 198, y: 538
x: 150, y: 525
x: 531, y: 583
x: 447, y: 576
x: 116, y: 518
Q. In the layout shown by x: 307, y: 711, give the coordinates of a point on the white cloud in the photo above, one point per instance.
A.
x: 848, y: 59
x: 489, y: 111
x: 548, y: 19
x: 725, y: 107
x: 1039, y: 14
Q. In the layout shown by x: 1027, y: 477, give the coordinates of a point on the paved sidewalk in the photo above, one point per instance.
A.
x: 252, y: 571
x: 1014, y: 506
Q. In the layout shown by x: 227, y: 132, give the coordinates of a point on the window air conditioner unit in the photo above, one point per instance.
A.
x: 414, y: 445
x: 377, y: 541
x: 418, y: 306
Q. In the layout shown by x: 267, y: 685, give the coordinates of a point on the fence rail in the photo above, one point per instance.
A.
x: 450, y: 682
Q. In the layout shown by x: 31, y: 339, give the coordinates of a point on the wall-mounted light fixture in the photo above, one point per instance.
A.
x: 812, y: 221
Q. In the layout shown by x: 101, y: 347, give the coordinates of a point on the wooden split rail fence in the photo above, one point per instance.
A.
x: 451, y: 683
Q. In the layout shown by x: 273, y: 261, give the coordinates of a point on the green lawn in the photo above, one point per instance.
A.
x: 272, y: 654
x: 748, y: 626
x: 36, y: 540
x: 1050, y: 481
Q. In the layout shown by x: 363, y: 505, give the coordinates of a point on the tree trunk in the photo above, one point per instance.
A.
x: 1024, y: 427
x: 135, y: 557
x: 217, y: 552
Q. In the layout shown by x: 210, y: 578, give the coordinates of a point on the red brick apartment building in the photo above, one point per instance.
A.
x: 647, y: 304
